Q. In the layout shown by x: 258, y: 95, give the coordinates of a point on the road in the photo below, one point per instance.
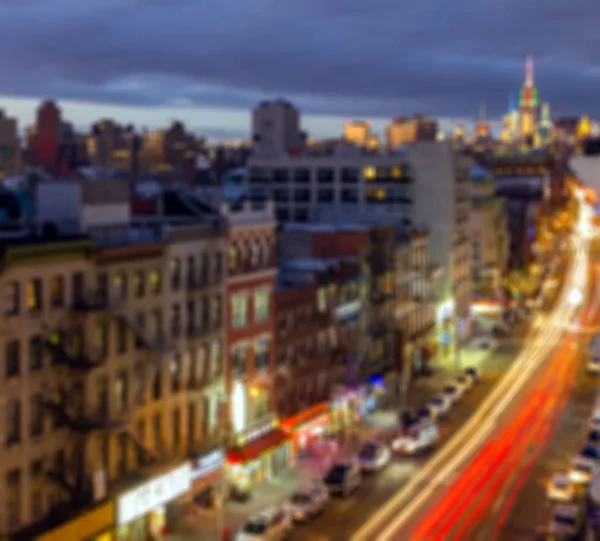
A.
x: 346, y: 516
x: 456, y: 489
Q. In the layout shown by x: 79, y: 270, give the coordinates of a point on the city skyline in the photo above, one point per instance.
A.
x: 121, y: 55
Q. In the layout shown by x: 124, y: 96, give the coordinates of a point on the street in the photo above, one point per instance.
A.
x: 453, y: 495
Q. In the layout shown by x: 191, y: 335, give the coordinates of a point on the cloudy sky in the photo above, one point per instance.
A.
x: 207, y: 62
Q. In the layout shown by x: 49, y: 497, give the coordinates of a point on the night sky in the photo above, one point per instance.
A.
x: 208, y: 62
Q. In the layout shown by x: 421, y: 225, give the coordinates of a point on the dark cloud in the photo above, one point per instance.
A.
x: 339, y: 57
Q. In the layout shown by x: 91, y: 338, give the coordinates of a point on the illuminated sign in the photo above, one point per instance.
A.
x: 348, y: 309
x: 207, y: 464
x: 159, y: 491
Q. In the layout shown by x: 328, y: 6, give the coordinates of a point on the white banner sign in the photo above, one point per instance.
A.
x: 154, y: 493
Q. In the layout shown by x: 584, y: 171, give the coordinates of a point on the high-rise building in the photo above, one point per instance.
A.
x: 276, y: 129
x: 10, y: 146
x: 47, y: 136
x: 357, y: 132
x: 528, y: 103
x: 408, y: 130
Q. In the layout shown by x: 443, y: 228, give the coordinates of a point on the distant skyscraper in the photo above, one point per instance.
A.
x: 47, y: 136
x: 357, y: 132
x: 528, y: 103
x: 545, y: 124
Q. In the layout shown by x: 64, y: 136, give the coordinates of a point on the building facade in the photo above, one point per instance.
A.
x: 10, y: 146
x: 408, y: 130
x: 489, y: 233
x: 113, y: 366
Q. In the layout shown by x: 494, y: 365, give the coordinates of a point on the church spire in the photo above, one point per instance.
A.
x: 529, y: 77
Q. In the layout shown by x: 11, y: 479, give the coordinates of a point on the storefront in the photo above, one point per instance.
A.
x: 260, y: 454
x: 307, y: 425
x: 207, y: 470
x: 93, y: 525
x: 346, y: 406
x: 143, y: 513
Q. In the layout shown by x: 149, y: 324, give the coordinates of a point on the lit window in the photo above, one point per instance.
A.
x: 396, y: 172
x: 57, y: 291
x: 34, y: 294
x: 120, y: 285
x: 239, y: 311
x: 233, y: 259
x: 155, y: 281
x: 261, y: 306
x: 255, y: 256
x: 175, y: 269
x: 322, y: 299
x: 369, y: 173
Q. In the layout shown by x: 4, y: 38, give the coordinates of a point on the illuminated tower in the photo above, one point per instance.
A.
x: 545, y: 124
x: 528, y: 103
x: 483, y: 129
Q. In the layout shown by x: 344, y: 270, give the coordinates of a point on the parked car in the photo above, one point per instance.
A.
x: 560, y: 489
x: 589, y: 452
x: 565, y: 521
x: 582, y: 471
x: 271, y: 525
x: 593, y: 437
x: 474, y: 373
x: 373, y: 456
x: 427, y: 414
x: 416, y: 440
x: 343, y: 478
x: 452, y: 392
x: 309, y: 500
x: 464, y: 383
x: 441, y: 404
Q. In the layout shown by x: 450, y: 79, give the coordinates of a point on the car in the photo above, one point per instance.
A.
x: 343, y: 478
x: 452, y: 393
x: 565, y: 521
x: 308, y: 500
x: 474, y: 373
x: 594, y: 421
x: 593, y: 437
x: 416, y: 440
x: 582, y: 471
x: 270, y: 525
x: 589, y: 452
x: 560, y: 489
x: 464, y: 383
x: 373, y: 456
x: 441, y: 404
x: 427, y: 414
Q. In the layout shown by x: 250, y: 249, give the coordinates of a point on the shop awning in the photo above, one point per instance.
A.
x: 304, y: 417
x: 254, y: 449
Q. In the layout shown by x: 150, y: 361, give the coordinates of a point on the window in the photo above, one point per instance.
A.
x: 261, y: 306
x: 121, y: 392
x: 121, y: 336
x: 13, y: 500
x: 78, y: 287
x: 205, y: 314
x: 349, y: 196
x: 281, y: 196
x: 175, y: 320
x: 239, y: 359
x: 302, y: 176
x: 281, y: 176
x: 302, y: 196
x: 139, y: 284
x: 176, y: 429
x: 216, y: 363
x: 217, y: 309
x: 34, y: 295
x: 282, y: 215
x: 325, y: 196
x: 233, y: 259
x: 218, y: 265
x: 13, y: 421
x: 255, y: 256
x: 266, y: 252
x: 120, y: 286
x: 13, y: 359
x: 190, y: 317
x: 155, y: 281
x: 239, y: 311
x: 261, y: 354
x: 349, y: 175
x: 101, y: 339
x: 205, y: 268
x: 36, y: 415
x: 157, y: 385
x: 57, y: 291
x: 175, y: 372
x: 36, y: 353
x: 14, y: 299
x: 175, y: 270
x: 325, y: 175
x: 102, y: 288
x: 191, y: 272
x: 156, y: 325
